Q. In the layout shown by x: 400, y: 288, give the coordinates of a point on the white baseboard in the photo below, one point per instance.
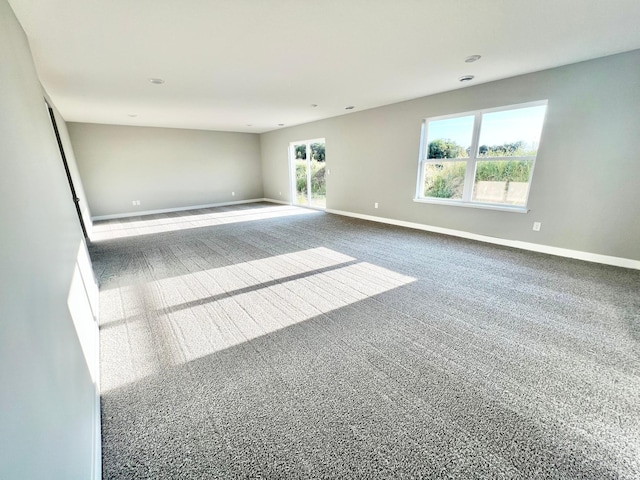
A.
x: 308, y: 207
x: 176, y: 209
x: 534, y: 247
x: 97, y: 439
x: 273, y: 200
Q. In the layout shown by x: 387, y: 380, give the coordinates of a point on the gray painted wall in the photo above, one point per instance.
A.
x: 47, y: 395
x: 585, y: 187
x: 164, y: 168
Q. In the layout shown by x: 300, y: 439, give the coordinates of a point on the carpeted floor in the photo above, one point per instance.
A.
x: 265, y: 341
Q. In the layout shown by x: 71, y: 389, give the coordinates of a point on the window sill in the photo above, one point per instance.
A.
x: 460, y: 203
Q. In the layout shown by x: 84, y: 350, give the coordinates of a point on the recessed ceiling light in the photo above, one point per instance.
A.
x: 281, y: 124
x: 156, y: 81
x: 350, y: 107
x: 313, y: 105
x: 466, y: 78
x: 472, y: 58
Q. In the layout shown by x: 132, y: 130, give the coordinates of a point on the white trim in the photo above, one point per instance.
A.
x: 308, y: 207
x: 472, y: 161
x: 97, y: 414
x: 273, y: 200
x: 97, y: 439
x: 176, y: 209
x: 534, y: 247
x: 293, y: 191
x: 460, y: 203
x: 515, y: 106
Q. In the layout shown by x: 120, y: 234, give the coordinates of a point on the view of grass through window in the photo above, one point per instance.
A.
x: 445, y: 180
x: 496, y: 149
x: 310, y: 171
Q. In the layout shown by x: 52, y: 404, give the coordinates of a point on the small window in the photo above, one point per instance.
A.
x: 482, y: 158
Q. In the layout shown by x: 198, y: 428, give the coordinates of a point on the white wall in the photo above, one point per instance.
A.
x: 585, y: 187
x: 164, y: 168
x: 47, y: 393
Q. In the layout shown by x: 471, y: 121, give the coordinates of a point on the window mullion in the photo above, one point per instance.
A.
x: 506, y: 158
x: 471, y: 162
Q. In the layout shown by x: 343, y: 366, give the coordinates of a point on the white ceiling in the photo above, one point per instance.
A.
x: 230, y: 63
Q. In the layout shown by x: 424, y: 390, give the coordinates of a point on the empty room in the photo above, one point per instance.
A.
x: 299, y: 239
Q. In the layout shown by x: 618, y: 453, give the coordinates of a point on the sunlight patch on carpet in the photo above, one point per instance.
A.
x: 204, y: 312
x: 145, y: 225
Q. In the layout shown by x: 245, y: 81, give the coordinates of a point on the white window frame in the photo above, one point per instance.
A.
x: 292, y: 170
x: 470, y: 171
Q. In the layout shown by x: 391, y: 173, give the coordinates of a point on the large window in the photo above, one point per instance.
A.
x: 482, y: 158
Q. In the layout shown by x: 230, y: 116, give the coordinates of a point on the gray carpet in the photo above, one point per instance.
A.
x: 264, y: 341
